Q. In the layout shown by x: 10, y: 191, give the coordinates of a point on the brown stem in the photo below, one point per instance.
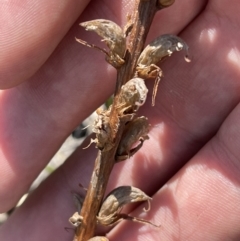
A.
x: 142, y: 18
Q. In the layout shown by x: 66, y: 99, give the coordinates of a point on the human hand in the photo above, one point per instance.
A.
x: 194, y: 121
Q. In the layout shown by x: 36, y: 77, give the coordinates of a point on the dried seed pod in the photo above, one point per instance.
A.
x: 135, y: 130
x: 112, y: 35
x: 116, y: 199
x: 132, y: 95
x: 102, y: 129
x: 161, y: 47
x: 156, y: 51
x: 98, y: 238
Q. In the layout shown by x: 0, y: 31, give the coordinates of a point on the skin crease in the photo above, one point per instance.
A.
x: 193, y: 151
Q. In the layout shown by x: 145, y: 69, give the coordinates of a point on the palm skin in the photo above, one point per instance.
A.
x: 191, y: 163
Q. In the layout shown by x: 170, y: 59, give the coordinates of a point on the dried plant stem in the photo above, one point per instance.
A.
x: 142, y: 18
x: 143, y: 15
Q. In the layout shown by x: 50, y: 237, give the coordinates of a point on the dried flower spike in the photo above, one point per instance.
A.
x: 113, y: 203
x: 156, y: 51
x: 135, y: 130
x: 112, y: 35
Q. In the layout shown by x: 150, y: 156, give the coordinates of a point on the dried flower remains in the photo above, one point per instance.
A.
x: 135, y: 130
x: 112, y: 35
x: 109, y: 213
x: 160, y: 48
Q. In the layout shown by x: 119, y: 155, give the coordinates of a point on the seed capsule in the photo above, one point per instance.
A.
x: 135, y: 130
x: 113, y: 203
x: 132, y: 95
x: 112, y: 35
x: 160, y: 48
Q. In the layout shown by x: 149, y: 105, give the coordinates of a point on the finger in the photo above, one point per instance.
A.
x: 174, y: 19
x: 64, y: 211
x: 46, y: 108
x: 49, y: 22
x: 201, y: 202
x: 30, y: 33
x: 193, y: 99
x: 50, y: 206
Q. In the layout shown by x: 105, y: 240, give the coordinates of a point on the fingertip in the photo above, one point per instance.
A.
x: 30, y: 33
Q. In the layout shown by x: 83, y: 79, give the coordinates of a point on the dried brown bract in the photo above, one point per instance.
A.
x: 132, y: 95
x: 112, y: 35
x: 156, y: 51
x: 102, y: 129
x: 135, y: 130
x: 109, y: 213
